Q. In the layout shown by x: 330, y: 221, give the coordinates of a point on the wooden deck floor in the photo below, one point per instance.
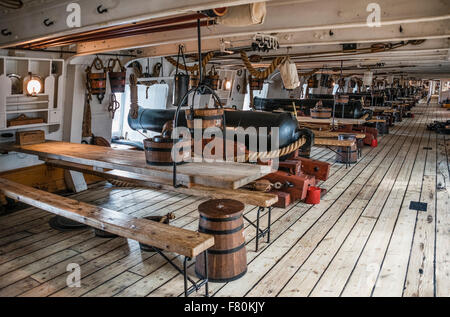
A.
x: 362, y: 240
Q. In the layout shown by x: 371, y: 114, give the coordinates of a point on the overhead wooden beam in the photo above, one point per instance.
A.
x: 27, y: 24
x: 311, y: 18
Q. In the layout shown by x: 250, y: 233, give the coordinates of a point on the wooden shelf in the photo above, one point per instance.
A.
x: 37, y: 125
x: 26, y: 103
x: 46, y: 105
x: 28, y: 111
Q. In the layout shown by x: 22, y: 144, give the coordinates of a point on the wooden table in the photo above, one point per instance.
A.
x: 337, y: 121
x: 333, y: 134
x: 219, y: 175
x: 213, y: 180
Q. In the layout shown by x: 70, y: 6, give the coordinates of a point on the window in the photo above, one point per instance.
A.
x: 150, y: 97
x: 256, y: 93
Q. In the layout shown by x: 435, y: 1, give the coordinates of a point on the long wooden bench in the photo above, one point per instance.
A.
x: 332, y: 134
x: 168, y: 238
x: 254, y: 198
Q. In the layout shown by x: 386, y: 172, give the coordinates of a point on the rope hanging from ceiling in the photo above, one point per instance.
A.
x: 194, y: 68
x: 264, y: 73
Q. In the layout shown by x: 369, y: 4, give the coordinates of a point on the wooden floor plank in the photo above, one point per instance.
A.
x: 443, y: 219
x: 279, y: 227
x: 392, y: 275
x: 365, y: 273
x: 281, y: 274
x: 309, y: 273
x: 361, y: 240
x: 279, y: 247
x: 420, y: 276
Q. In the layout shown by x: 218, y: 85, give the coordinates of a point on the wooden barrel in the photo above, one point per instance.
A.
x: 212, y: 79
x: 211, y: 117
x: 227, y: 259
x: 158, y: 151
x: 194, y: 80
x: 313, y: 83
x: 345, y: 154
x: 117, y: 81
x: 97, y: 82
x: 116, y: 78
x: 256, y: 83
x: 321, y: 113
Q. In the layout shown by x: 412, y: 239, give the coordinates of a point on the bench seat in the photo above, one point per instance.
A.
x: 168, y: 238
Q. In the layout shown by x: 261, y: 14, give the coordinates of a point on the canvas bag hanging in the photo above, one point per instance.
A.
x: 289, y: 74
x: 244, y: 15
x: 368, y: 78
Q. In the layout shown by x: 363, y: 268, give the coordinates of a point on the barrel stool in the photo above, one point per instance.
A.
x: 227, y: 259
x: 347, y: 155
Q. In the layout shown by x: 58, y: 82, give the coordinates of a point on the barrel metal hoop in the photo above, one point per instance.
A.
x: 220, y: 232
x: 157, y: 149
x: 229, y: 251
x: 220, y: 220
x: 218, y: 117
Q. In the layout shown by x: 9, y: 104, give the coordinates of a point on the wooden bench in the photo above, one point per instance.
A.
x: 330, y: 143
x: 168, y: 238
x: 332, y: 134
x: 260, y: 199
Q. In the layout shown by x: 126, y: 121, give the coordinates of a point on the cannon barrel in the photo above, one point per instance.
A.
x: 289, y: 132
x: 352, y: 110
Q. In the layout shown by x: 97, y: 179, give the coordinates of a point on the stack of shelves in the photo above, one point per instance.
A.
x: 14, y: 101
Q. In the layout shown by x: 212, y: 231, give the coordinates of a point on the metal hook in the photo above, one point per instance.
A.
x: 100, y: 10
x: 48, y: 23
x: 5, y: 32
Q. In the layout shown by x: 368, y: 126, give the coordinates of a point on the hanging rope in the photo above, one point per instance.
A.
x: 264, y: 74
x: 194, y: 68
x: 87, y: 115
x: 134, y: 107
x: 87, y: 119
